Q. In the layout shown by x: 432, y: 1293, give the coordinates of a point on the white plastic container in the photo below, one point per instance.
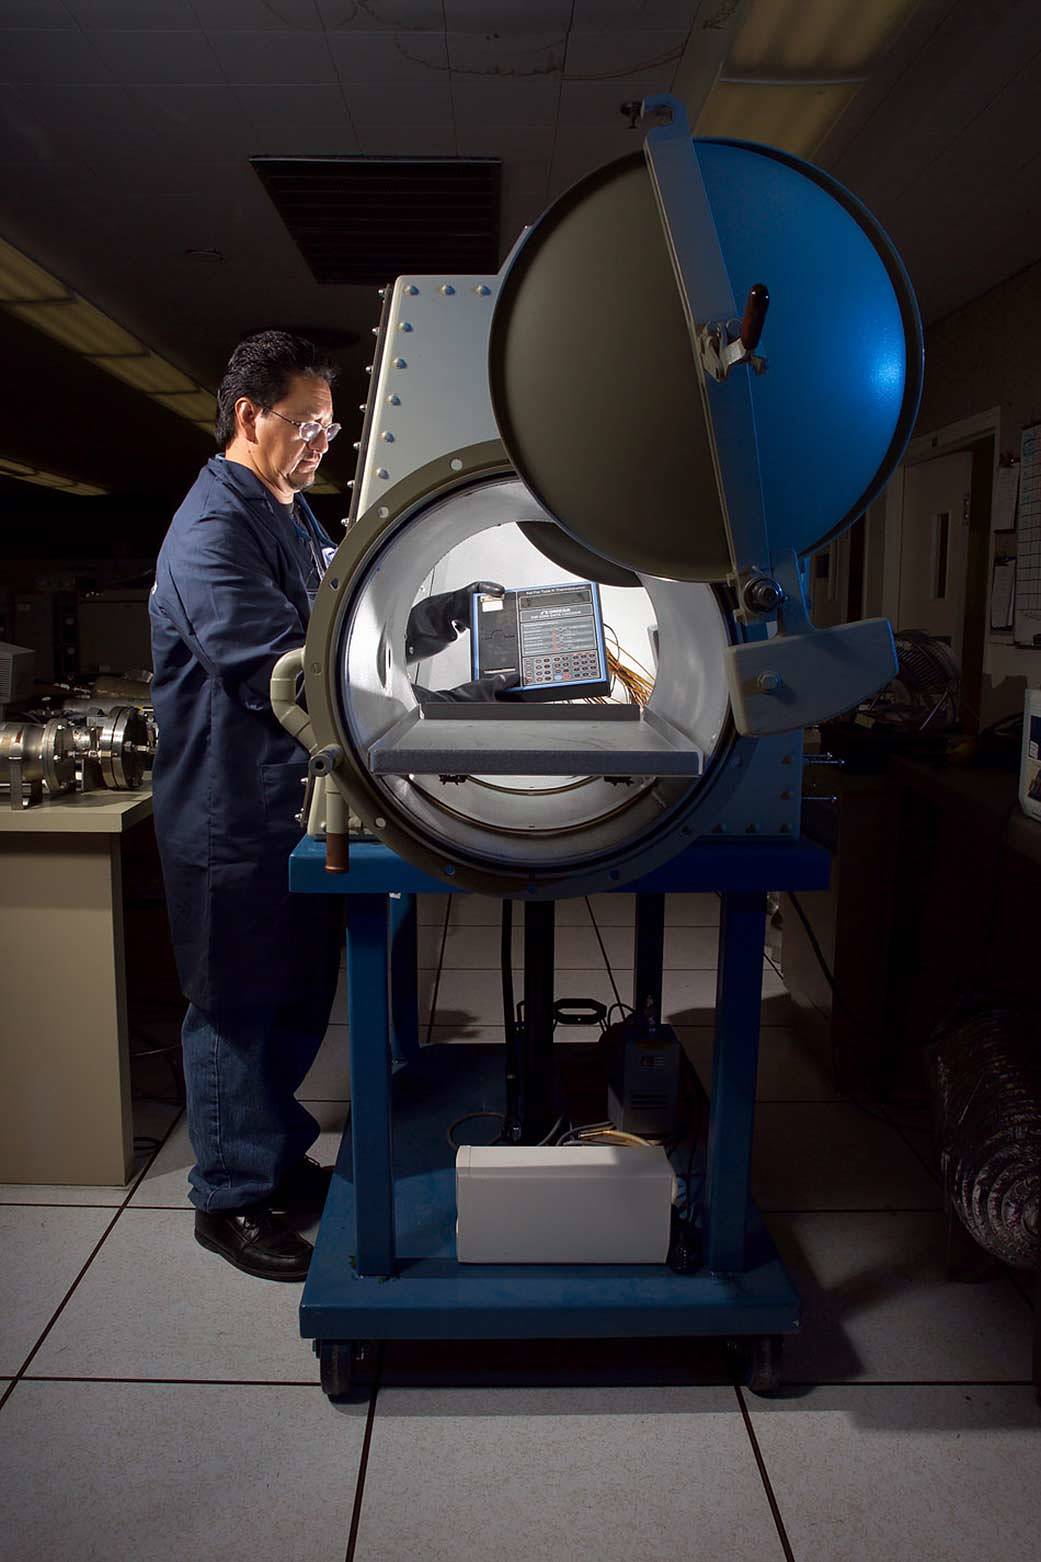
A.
x: 1030, y: 763
x: 576, y: 1204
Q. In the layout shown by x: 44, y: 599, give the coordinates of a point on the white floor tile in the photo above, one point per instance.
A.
x: 686, y: 948
x: 691, y: 909
x: 923, y: 1474
x: 689, y: 997
x: 154, y: 1304
x: 478, y: 948
x: 151, y: 1118
x: 167, y: 1181
x: 495, y: 1035
x: 788, y: 1071
x: 474, y: 998
x: 539, y: 1475
x: 44, y: 1250
x: 143, y: 1472
x: 329, y: 1078
x: 877, y: 1305
x: 614, y: 909
x: 430, y: 909
x: 833, y: 1156
x: 485, y: 911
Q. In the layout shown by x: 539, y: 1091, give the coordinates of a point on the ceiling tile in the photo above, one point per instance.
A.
x: 388, y: 57
x: 305, y: 140
x: 624, y: 15
x: 412, y: 103
x: 156, y: 56
x: 387, y: 16
x: 294, y: 104
x: 524, y: 199
x: 513, y: 143
x: 954, y: 86
x: 597, y: 104
x: 491, y: 100
x: 508, y: 16
x: 45, y: 55
x: 258, y: 15
x: 23, y: 139
x: 192, y: 119
x: 594, y: 56
x: 580, y: 151
x: 132, y: 14
x: 272, y: 57
x: 513, y: 56
x: 408, y: 141
x: 73, y: 121
x: 35, y: 13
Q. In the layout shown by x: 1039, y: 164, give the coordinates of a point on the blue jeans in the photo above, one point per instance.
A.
x: 241, y: 1072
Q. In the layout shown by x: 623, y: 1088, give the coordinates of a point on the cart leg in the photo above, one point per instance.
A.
x: 739, y: 989
x: 536, y: 1058
x: 648, y: 954
x: 404, y: 959
x: 369, y: 1041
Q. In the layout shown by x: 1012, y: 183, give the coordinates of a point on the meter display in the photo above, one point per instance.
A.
x: 551, y: 637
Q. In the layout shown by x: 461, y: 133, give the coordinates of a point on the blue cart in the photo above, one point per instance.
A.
x: 384, y: 1266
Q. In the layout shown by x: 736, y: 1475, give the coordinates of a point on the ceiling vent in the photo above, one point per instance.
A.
x: 371, y: 219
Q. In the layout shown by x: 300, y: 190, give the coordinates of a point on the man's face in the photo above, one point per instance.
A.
x: 286, y: 461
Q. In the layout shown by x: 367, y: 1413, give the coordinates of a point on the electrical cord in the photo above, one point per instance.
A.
x: 469, y: 1117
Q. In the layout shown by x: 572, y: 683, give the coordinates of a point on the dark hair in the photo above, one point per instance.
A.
x: 261, y: 367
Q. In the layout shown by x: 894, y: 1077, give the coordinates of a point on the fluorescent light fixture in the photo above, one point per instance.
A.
x: 194, y: 405
x: 77, y: 324
x: 793, y: 117
x: 145, y: 372
x: 819, y: 37
x: 324, y: 487
x: 44, y: 479
x: 22, y: 280
x: 795, y: 66
x: 45, y: 303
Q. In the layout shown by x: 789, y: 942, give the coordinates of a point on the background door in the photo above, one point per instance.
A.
x: 934, y: 543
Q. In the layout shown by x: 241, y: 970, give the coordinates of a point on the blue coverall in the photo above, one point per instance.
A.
x: 258, y: 965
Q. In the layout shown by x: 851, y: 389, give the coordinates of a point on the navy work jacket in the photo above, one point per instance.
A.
x: 230, y: 596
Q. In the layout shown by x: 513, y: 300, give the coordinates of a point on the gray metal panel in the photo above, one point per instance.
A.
x: 596, y: 388
x: 477, y: 745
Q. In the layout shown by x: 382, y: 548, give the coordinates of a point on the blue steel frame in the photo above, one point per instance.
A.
x: 743, y: 1287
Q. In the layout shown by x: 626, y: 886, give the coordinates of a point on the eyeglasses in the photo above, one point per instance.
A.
x: 309, y: 432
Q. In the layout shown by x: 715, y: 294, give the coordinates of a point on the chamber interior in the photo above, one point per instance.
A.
x: 472, y: 534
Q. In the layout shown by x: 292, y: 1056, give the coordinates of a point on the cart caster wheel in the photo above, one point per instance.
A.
x: 764, y: 1366
x: 337, y: 1360
x: 757, y: 1362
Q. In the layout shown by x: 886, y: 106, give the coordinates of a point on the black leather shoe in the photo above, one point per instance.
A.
x: 303, y: 1189
x: 255, y: 1241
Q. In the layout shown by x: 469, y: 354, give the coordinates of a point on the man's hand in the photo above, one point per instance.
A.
x: 459, y: 601
x: 481, y: 690
x: 435, y: 622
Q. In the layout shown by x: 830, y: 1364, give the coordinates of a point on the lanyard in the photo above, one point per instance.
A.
x: 309, y: 531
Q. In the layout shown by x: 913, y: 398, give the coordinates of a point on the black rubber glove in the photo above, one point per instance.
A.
x: 481, y: 690
x: 435, y: 622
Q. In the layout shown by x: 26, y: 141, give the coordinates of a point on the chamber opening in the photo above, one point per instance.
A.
x: 595, y: 774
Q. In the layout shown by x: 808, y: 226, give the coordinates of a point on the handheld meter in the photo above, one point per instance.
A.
x: 551, y: 637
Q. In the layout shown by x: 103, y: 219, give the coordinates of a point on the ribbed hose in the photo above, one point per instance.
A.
x: 985, y: 1070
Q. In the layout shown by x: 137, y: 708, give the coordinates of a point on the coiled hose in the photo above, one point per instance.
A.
x: 985, y: 1072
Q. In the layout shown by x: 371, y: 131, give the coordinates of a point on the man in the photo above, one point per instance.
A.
x: 235, y: 579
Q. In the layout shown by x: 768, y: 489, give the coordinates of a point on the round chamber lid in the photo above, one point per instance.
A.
x: 594, y: 377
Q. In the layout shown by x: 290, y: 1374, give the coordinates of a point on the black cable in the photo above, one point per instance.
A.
x: 508, y: 1007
